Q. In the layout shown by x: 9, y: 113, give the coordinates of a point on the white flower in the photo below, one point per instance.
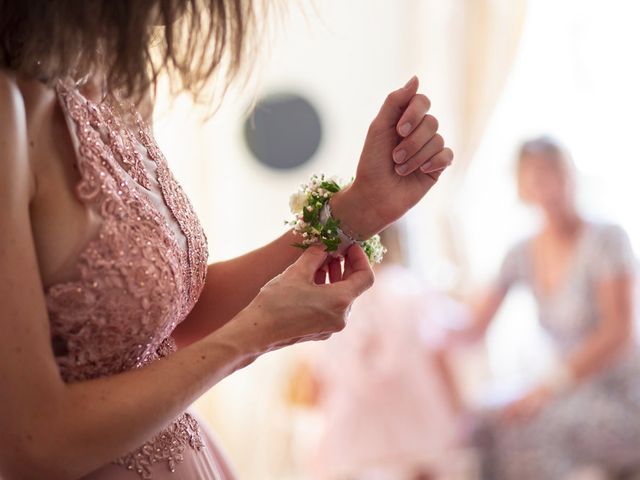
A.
x: 297, y: 202
x: 374, y: 249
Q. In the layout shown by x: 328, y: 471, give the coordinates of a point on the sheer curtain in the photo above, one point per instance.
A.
x: 466, y: 49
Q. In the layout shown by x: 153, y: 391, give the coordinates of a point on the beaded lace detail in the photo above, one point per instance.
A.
x: 135, y: 281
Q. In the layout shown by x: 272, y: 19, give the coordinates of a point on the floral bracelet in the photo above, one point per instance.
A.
x: 315, y: 224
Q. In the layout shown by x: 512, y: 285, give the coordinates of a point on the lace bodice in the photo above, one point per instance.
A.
x: 141, y: 274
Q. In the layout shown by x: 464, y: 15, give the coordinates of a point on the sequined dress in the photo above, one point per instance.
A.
x: 134, y: 281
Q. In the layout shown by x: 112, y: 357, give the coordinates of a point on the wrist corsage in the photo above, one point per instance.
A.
x: 314, y: 222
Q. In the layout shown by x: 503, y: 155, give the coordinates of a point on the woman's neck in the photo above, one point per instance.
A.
x: 566, y: 225
x: 93, y: 88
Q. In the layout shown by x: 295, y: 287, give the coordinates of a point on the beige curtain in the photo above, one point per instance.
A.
x: 493, y: 31
x: 464, y: 50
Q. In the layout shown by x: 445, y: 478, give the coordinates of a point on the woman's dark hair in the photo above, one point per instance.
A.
x: 544, y: 144
x: 131, y: 41
x: 549, y: 148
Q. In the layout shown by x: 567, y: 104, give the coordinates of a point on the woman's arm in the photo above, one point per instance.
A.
x: 232, y: 284
x: 50, y: 429
x: 483, y: 310
x: 610, y: 338
x: 613, y: 333
x: 55, y: 430
x: 385, y: 187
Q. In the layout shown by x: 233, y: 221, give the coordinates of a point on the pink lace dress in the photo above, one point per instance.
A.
x: 134, y: 281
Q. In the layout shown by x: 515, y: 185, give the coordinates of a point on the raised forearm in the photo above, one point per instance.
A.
x: 613, y: 333
x: 597, y: 351
x: 482, y: 310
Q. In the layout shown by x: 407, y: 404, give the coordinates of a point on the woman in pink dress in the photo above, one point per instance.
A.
x: 113, y: 322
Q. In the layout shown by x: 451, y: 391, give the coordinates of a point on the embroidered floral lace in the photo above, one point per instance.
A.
x: 136, y: 282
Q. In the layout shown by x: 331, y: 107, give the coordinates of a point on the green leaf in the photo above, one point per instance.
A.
x: 330, y: 186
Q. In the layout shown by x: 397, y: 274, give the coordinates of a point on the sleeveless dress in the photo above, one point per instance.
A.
x: 597, y: 423
x: 134, y: 281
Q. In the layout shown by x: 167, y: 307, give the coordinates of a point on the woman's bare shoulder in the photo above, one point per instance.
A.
x: 16, y: 178
x: 10, y: 95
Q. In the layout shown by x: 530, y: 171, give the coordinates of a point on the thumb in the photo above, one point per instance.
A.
x: 310, y: 261
x: 358, y: 273
x: 396, y: 102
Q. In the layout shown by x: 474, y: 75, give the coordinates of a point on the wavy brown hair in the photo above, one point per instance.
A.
x: 131, y: 41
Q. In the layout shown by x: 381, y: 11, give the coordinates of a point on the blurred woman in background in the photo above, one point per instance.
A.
x: 385, y: 390
x: 585, y: 414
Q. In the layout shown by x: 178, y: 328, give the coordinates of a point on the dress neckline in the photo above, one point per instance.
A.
x: 566, y: 277
x: 134, y: 282
x: 128, y: 179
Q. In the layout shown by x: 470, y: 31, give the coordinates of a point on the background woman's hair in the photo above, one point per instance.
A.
x: 549, y: 148
x: 131, y: 41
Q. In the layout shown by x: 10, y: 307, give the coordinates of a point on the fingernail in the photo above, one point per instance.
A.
x: 402, y: 169
x: 425, y: 168
x: 399, y: 156
x: 404, y: 129
x: 410, y: 82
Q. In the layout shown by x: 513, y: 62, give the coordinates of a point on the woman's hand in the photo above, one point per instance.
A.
x: 402, y: 158
x: 297, y: 305
x: 527, y: 406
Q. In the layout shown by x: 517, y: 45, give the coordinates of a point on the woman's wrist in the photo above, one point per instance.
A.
x: 559, y: 378
x: 241, y: 338
x: 316, y: 223
x: 356, y: 219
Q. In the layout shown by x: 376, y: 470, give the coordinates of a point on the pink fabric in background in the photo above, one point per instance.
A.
x: 383, y: 400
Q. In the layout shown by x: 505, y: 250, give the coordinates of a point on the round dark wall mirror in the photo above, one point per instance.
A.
x: 284, y: 131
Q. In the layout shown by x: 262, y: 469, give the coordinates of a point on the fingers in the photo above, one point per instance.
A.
x: 517, y: 413
x: 326, y: 336
x: 419, y: 147
x: 435, y: 175
x: 523, y: 409
x: 310, y: 262
x: 396, y: 103
x: 413, y: 115
x: 424, y: 156
x: 320, y: 277
x: 438, y: 162
x: 358, y: 275
x: 335, y: 270
x: 423, y: 133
